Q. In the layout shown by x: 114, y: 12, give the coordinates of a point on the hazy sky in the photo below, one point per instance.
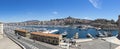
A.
x: 22, y: 10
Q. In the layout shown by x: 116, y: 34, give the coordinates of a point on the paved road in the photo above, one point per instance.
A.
x: 10, y: 36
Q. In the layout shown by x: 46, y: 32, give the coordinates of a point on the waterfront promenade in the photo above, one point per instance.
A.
x: 113, y: 40
x: 98, y: 44
x: 6, y: 43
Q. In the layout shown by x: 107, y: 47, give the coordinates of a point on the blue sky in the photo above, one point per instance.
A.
x: 22, y: 10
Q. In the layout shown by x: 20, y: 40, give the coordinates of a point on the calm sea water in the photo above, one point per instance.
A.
x: 71, y: 31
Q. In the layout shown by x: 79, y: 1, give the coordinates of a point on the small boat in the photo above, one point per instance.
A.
x: 105, y: 34
x: 89, y: 35
x: 82, y: 27
x: 64, y: 34
x: 110, y: 34
x: 76, y: 36
x: 98, y: 28
x: 100, y: 34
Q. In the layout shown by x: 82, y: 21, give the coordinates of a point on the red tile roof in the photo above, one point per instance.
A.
x: 25, y: 31
x: 45, y: 34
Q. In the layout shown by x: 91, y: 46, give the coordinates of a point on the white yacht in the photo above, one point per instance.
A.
x: 50, y: 31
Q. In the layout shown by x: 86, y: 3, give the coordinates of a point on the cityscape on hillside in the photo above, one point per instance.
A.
x: 70, y: 21
x: 59, y: 24
x: 65, y: 21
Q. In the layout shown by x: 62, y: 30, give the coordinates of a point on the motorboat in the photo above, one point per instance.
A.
x: 100, y: 34
x: 50, y: 31
x: 89, y: 35
x: 98, y: 28
x: 105, y: 34
x: 64, y: 34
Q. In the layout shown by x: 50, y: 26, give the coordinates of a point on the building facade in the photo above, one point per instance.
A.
x: 23, y: 33
x: 1, y: 30
x: 54, y: 39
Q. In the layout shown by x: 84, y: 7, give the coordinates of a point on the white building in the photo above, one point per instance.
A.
x: 1, y: 30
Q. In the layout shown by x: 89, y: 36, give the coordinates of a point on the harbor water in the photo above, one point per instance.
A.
x: 71, y: 31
